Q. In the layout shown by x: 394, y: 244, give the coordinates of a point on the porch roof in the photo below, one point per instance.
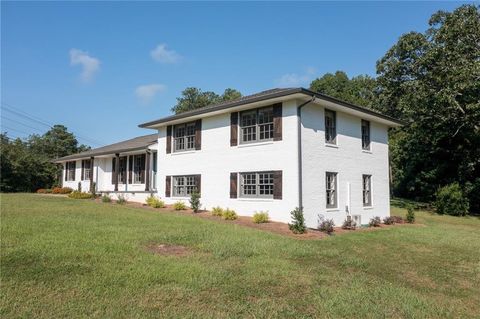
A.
x: 134, y: 144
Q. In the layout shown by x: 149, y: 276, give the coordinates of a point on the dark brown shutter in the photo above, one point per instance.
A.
x: 66, y: 169
x: 198, y: 134
x: 83, y: 170
x: 91, y: 168
x: 234, y: 129
x: 277, y: 184
x: 74, y: 169
x: 142, y: 169
x: 277, y: 122
x: 130, y: 169
x: 168, y: 186
x: 233, y: 185
x: 169, y: 139
x: 113, y: 170
x: 198, y: 183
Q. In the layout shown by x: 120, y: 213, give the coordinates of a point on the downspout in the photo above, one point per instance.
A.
x: 299, y: 149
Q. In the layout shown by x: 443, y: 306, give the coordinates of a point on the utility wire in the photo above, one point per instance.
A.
x: 18, y: 122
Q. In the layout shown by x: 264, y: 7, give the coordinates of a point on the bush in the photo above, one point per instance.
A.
x: 397, y: 219
x: 298, y: 221
x: 217, y: 211
x: 154, y: 202
x: 229, y: 214
x: 349, y: 224
x: 451, y: 201
x: 375, y: 222
x: 179, y: 205
x: 79, y: 195
x: 61, y: 190
x: 195, y: 201
x: 326, y: 226
x: 106, y: 198
x: 389, y: 220
x: 121, y: 200
x: 410, y: 215
x: 260, y: 217
x: 41, y: 191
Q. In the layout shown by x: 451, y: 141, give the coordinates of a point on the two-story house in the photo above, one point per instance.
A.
x: 271, y: 151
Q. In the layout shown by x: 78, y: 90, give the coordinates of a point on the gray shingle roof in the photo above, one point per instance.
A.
x: 137, y: 143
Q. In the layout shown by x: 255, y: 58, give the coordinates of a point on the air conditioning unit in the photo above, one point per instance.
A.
x: 357, y: 219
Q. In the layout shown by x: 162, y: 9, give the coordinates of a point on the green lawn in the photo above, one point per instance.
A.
x: 76, y: 258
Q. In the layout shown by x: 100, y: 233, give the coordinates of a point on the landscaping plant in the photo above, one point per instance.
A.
x: 397, y: 219
x: 326, y: 226
x: 179, y: 205
x: 106, y: 198
x: 229, y: 214
x: 260, y: 217
x: 410, y: 215
x: 349, y: 224
x: 121, y: 200
x: 375, y: 222
x: 298, y: 221
x: 450, y: 200
x: 195, y: 201
x: 389, y: 220
x: 154, y: 202
x: 217, y: 211
x: 79, y: 195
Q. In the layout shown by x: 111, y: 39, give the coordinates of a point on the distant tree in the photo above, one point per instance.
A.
x: 194, y: 98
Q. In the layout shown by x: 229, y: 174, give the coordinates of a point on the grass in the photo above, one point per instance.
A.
x: 75, y: 258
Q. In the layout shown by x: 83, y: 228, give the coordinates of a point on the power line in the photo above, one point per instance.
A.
x: 18, y: 122
x: 15, y: 130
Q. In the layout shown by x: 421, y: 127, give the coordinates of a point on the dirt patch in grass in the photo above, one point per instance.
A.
x: 168, y: 250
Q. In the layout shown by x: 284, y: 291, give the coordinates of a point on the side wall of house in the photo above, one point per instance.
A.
x: 349, y: 161
x: 217, y: 159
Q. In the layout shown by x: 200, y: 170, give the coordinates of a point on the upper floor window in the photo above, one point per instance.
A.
x: 367, y: 190
x: 256, y: 125
x: 365, y: 135
x: 86, y: 169
x: 330, y: 127
x: 256, y: 184
x: 331, y: 189
x: 70, y: 171
x: 184, y: 185
x: 184, y: 137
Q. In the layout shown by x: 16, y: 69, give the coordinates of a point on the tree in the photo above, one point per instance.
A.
x: 359, y: 90
x: 431, y: 80
x: 194, y: 98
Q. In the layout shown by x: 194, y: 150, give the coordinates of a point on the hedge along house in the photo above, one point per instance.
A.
x: 127, y: 168
x: 271, y: 151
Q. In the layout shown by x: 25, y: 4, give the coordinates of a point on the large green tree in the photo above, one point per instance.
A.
x: 194, y: 98
x: 432, y: 81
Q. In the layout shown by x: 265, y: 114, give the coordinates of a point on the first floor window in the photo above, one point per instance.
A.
x: 122, y: 170
x: 256, y: 184
x: 184, y: 137
x: 70, y: 171
x: 331, y: 189
x: 138, y: 168
x: 86, y: 169
x: 367, y: 190
x: 184, y: 186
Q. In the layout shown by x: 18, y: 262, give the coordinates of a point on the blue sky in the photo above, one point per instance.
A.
x: 102, y: 68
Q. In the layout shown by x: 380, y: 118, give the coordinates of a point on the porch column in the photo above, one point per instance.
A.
x: 147, y: 171
x: 92, y: 186
x: 117, y: 168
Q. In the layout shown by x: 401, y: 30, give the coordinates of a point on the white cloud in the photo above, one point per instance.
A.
x: 147, y: 92
x: 163, y: 55
x: 295, y: 79
x: 89, y: 64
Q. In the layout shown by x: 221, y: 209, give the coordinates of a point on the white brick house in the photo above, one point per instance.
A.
x: 272, y: 151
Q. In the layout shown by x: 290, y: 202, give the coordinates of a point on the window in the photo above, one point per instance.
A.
x: 184, y: 186
x: 122, y: 172
x: 70, y: 171
x: 184, y: 137
x: 365, y: 135
x: 138, y: 168
x: 330, y: 127
x: 256, y: 125
x: 256, y: 184
x: 86, y: 168
x: 331, y: 189
x: 367, y: 190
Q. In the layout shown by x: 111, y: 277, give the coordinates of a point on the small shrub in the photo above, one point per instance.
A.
x: 106, y: 198
x: 229, y: 214
x: 397, y: 219
x: 61, y: 190
x: 179, y: 205
x: 451, y: 201
x: 260, y: 217
x: 326, y: 226
x: 154, y: 202
x: 217, y: 211
x: 389, y: 220
x: 298, y: 221
x: 121, y: 200
x: 79, y: 195
x: 195, y: 201
x: 49, y: 191
x: 41, y: 191
x: 375, y: 222
x: 410, y: 215
x: 56, y: 190
x: 349, y: 224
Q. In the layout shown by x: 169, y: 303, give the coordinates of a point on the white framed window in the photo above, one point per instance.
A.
x: 122, y: 170
x: 365, y: 135
x: 184, y: 186
x: 86, y: 168
x: 256, y: 184
x: 138, y: 168
x: 331, y: 189
x: 184, y: 137
x: 70, y: 171
x: 367, y: 190
x: 330, y: 127
x: 256, y: 125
